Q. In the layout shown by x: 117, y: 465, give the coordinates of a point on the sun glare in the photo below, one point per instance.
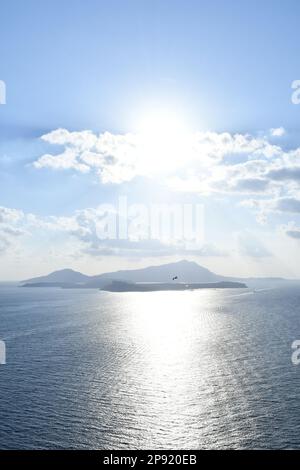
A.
x: 164, y: 141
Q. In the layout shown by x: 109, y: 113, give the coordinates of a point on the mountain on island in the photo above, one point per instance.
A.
x: 187, y: 272
x: 64, y: 276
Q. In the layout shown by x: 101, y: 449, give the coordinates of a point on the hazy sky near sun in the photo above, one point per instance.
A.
x: 173, y: 101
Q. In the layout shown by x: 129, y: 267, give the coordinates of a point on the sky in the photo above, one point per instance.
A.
x: 161, y: 102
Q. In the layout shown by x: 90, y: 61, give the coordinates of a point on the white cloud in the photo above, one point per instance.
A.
x: 8, y: 215
x: 64, y: 161
x: 211, y: 164
x: 81, y: 232
x: 112, y: 157
x: 290, y: 230
x: 277, y: 132
x: 118, y: 158
x: 11, y: 222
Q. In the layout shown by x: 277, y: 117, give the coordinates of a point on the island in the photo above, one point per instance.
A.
x: 179, y: 275
x: 122, y: 286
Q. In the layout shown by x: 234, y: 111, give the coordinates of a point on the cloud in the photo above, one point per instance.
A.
x: 64, y: 161
x: 210, y: 164
x: 83, y: 140
x: 94, y: 232
x: 8, y: 215
x: 290, y: 230
x: 117, y: 158
x: 113, y: 158
x: 212, y: 250
x: 250, y: 185
x: 4, y: 244
x: 250, y: 245
x: 290, y: 205
x: 294, y: 233
x: 284, y: 174
x: 277, y: 132
x: 11, y: 221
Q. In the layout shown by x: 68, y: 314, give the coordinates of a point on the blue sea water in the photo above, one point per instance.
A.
x: 163, y: 370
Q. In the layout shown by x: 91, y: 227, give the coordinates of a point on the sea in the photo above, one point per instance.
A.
x: 206, y: 369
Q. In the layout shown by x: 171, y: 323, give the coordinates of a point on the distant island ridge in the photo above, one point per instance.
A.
x: 121, y: 286
x: 181, y: 275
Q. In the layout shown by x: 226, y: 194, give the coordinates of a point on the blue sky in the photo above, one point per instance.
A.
x: 92, y: 64
x: 218, y: 66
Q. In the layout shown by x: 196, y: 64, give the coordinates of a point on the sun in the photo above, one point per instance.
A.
x: 161, y: 122
x: 163, y: 141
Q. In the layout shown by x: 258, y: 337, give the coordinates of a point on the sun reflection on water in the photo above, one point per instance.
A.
x: 168, y: 332
x: 162, y: 323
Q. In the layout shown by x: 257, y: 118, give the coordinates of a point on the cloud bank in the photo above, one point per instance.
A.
x: 212, y: 163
